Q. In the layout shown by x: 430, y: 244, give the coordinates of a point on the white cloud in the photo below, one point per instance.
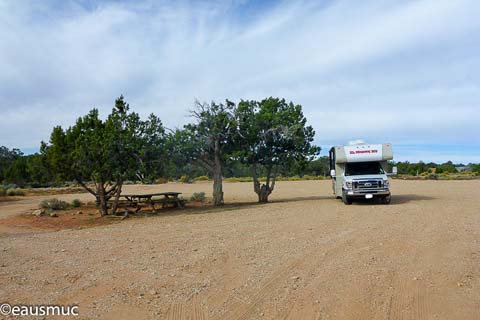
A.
x: 400, y: 71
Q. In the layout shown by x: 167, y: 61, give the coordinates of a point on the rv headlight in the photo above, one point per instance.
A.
x: 386, y: 183
x: 348, y: 184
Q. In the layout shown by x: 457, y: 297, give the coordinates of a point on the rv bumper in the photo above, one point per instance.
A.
x: 363, y: 193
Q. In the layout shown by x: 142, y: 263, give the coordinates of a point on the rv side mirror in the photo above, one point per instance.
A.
x: 394, y: 170
x: 333, y: 173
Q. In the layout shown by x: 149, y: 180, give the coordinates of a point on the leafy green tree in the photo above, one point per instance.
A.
x: 180, y: 146
x: 27, y: 169
x: 475, y: 167
x: 17, y: 172
x: 105, y: 153
x: 209, y: 141
x: 413, y: 169
x: 402, y: 167
x: 151, y: 151
x: 447, y: 167
x: 7, y: 158
x: 318, y: 167
x: 39, y: 171
x: 272, y: 134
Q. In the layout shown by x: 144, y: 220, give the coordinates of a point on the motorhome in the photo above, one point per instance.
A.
x: 360, y: 171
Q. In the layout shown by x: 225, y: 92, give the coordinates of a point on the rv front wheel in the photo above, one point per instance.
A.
x: 346, y: 200
x: 386, y: 199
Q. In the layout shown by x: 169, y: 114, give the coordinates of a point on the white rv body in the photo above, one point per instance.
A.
x: 360, y: 171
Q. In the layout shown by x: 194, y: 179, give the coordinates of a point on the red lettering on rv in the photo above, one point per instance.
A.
x: 363, y: 151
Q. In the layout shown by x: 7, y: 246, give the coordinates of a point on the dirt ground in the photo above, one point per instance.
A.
x: 305, y: 255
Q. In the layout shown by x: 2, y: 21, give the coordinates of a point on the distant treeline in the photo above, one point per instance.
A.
x: 34, y: 170
x: 418, y: 168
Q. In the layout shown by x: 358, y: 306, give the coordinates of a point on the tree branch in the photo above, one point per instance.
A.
x: 256, y: 183
x: 274, y: 179
x: 205, y: 164
x: 86, y: 187
x: 114, y: 187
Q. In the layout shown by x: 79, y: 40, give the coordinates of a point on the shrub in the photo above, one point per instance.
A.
x: 161, y: 180
x: 76, y: 203
x: 184, y: 179
x: 201, y: 178
x: 292, y: 178
x: 15, y: 192
x: 239, y: 179
x: 54, y: 204
x: 3, y: 192
x: 10, y: 186
x: 198, y: 197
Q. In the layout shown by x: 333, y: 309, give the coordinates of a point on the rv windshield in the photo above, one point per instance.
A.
x: 363, y: 168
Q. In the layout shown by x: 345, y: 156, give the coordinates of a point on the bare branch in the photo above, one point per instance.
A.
x: 86, y: 187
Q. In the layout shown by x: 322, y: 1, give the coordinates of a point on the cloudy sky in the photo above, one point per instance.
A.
x: 406, y: 72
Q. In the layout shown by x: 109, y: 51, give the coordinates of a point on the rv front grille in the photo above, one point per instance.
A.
x: 367, y: 184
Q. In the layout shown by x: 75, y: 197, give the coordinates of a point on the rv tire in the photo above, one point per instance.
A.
x: 346, y: 200
x: 387, y: 199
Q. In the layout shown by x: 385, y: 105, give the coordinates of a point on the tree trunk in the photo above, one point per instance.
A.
x: 217, y: 177
x: 263, y: 190
x: 102, y: 201
x: 117, y: 193
x: 217, y: 188
x: 264, y: 193
x: 102, y: 198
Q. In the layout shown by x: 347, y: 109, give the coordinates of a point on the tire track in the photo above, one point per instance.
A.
x: 397, y: 302
x: 308, y: 262
x: 186, y: 311
x: 421, y: 301
x: 411, y: 300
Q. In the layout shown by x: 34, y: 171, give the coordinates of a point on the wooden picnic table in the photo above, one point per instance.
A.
x: 151, y: 199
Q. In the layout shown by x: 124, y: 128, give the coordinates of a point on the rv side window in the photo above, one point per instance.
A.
x: 363, y: 168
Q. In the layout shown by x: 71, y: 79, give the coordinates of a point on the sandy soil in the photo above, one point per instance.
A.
x: 303, y: 256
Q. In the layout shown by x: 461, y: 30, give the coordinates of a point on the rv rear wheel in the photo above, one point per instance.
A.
x: 346, y: 199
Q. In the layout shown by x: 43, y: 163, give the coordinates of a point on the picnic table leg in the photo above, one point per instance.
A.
x: 178, y: 202
x: 175, y: 203
x: 153, y: 207
x: 165, y: 202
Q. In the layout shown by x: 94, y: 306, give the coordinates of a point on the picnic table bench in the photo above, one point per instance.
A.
x: 150, y: 199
